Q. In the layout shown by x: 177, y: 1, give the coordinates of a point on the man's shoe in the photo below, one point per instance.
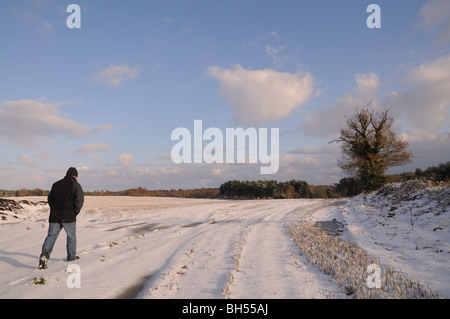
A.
x: 42, y: 263
x: 76, y: 258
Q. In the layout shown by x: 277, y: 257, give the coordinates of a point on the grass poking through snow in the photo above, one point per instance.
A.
x: 347, y: 263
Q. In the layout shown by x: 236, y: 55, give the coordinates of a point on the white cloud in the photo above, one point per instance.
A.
x: 272, y: 50
x: 125, y: 159
x: 435, y: 15
x: 421, y: 111
x: 115, y: 74
x: 44, y: 154
x: 425, y: 104
x: 262, y: 95
x: 30, y: 122
x: 328, y: 122
x: 25, y: 160
x: 271, y: 36
x: 429, y: 149
x: 91, y: 148
x: 102, y: 127
x: 274, y: 35
x: 315, y: 169
x: 326, y: 149
x: 422, y: 108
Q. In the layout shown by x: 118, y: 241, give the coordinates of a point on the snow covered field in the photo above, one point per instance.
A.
x: 134, y: 247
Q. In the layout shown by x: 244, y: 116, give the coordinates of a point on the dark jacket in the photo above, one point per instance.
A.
x: 65, y: 200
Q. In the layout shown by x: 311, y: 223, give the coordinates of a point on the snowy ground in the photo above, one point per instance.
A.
x: 192, y: 248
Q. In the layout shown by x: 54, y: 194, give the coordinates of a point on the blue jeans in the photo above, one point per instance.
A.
x: 53, y: 231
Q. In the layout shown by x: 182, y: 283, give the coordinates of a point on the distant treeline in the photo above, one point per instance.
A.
x: 23, y: 192
x: 139, y: 191
x: 348, y: 186
x: 142, y: 191
x: 440, y: 173
x: 276, y: 190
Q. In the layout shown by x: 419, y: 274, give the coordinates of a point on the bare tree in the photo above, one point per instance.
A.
x: 370, y: 147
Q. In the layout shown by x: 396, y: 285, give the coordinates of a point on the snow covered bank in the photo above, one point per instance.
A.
x: 406, y: 226
x: 19, y: 209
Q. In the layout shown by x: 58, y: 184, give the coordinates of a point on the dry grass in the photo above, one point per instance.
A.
x: 347, y: 263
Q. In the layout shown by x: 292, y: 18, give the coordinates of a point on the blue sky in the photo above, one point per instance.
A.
x: 106, y: 97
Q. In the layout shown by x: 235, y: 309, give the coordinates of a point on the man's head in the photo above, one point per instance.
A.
x: 72, y: 171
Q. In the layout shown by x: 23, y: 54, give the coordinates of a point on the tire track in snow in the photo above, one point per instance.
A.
x: 244, y: 252
x: 197, y: 267
x: 269, y: 265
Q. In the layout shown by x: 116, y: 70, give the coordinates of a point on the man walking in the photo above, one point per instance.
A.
x: 65, y: 199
